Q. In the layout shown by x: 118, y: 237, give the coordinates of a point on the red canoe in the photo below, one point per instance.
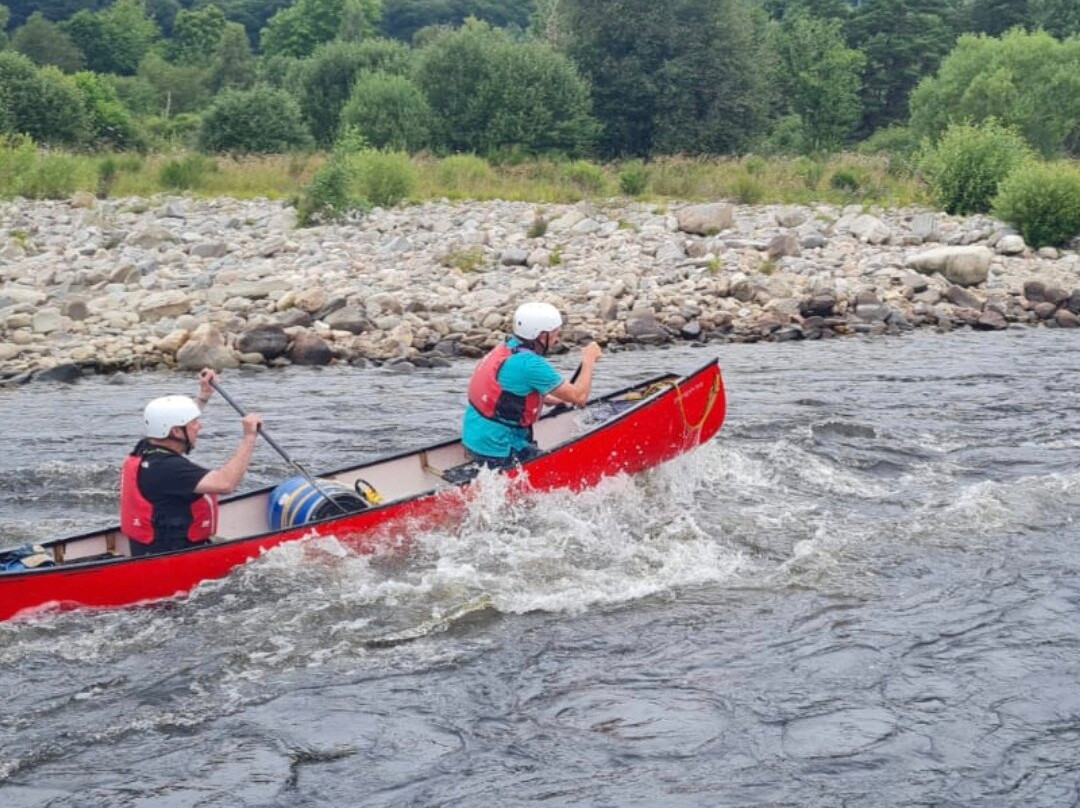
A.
x: 622, y: 433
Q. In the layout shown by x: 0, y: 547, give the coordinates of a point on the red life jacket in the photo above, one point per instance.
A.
x: 137, y: 512
x: 491, y: 401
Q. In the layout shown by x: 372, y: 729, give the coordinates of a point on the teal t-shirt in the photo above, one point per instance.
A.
x: 521, y: 374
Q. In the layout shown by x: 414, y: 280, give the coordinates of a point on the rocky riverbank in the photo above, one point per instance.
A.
x: 96, y: 286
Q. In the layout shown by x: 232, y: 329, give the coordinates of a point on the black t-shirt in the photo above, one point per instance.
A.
x: 168, y: 481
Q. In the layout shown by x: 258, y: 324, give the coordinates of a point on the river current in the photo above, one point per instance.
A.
x: 864, y: 592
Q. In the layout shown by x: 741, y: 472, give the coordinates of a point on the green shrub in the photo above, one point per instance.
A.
x: 848, y: 180
x: 538, y: 227
x: 966, y: 166
x: 1042, y: 201
x: 898, y: 144
x: 258, y: 121
x: 327, y: 198
x: 755, y: 166
x: 41, y: 102
x: 390, y: 111
x: 633, y: 178
x: 463, y: 171
x: 811, y: 172
x: 384, y: 178
x: 746, y: 190
x: 586, y: 176
x: 26, y: 171
x: 185, y: 173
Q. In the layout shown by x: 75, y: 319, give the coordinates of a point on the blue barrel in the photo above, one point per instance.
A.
x: 297, y: 502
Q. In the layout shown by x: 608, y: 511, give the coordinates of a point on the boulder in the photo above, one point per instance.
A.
x: 309, y: 349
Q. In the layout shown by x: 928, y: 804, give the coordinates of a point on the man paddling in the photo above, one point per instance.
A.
x: 168, y: 502
x: 513, y: 382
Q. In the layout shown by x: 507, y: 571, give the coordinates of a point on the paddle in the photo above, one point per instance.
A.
x: 563, y: 406
x: 307, y: 476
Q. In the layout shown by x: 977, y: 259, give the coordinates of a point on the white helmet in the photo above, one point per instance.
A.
x: 533, y: 319
x: 162, y: 414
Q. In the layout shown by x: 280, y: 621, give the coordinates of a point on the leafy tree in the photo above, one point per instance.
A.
x: 196, y: 34
x: 491, y: 93
x: 45, y: 44
x: 820, y: 77
x: 401, y: 19
x: 1058, y: 17
x: 1030, y: 82
x: 966, y: 167
x: 995, y: 17
x: 389, y: 111
x: 322, y: 83
x: 41, y: 102
x: 261, y: 121
x: 109, y: 121
x: 903, y: 40
x: 116, y: 39
x: 252, y: 14
x: 5, y: 18
x: 52, y: 10
x: 1042, y: 200
x: 232, y: 66
x: 683, y: 75
x: 180, y: 87
x: 819, y: 9
x: 163, y: 12
x: 302, y: 27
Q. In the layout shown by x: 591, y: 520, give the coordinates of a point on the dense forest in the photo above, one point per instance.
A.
x: 604, y: 79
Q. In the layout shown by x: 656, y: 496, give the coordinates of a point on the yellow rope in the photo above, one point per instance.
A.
x: 714, y: 395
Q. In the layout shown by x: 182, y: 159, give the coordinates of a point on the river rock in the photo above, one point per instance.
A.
x: 206, y: 349
x: 268, y: 340
x: 706, y: 220
x: 309, y: 349
x: 964, y: 266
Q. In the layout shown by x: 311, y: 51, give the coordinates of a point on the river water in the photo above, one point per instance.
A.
x: 864, y: 592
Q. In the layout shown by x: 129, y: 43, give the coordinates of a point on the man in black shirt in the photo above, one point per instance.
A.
x: 167, y: 502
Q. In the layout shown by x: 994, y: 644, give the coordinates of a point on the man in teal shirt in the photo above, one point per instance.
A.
x: 513, y: 382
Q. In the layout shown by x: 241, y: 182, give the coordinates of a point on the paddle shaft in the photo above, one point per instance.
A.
x: 273, y: 443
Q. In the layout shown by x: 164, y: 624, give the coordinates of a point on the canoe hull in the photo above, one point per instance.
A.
x: 682, y: 415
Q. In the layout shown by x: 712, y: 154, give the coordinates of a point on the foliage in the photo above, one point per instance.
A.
x: 898, y: 143
x: 262, y: 120
x: 965, y: 168
x: 299, y: 29
x: 46, y: 44
x: 1027, y: 81
x: 490, y: 92
x: 401, y: 19
x: 109, y: 121
x: 680, y: 76
x: 178, y: 132
x: 902, y: 40
x: 463, y: 173
x: 185, y: 173
x: 586, y: 176
x: 633, y: 178
x: 327, y: 197
x: 322, y: 83
x: 1058, y: 17
x: 383, y: 178
x: 41, y: 102
x: 390, y: 111
x: 820, y: 78
x: 116, y: 39
x: 232, y: 65
x: 179, y: 87
x: 1042, y: 200
x: 25, y: 171
x: 196, y: 34
x: 995, y: 17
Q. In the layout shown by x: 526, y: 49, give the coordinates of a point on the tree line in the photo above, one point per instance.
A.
x: 517, y: 78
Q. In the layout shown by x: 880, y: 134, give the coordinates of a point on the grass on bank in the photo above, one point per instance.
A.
x: 29, y: 172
